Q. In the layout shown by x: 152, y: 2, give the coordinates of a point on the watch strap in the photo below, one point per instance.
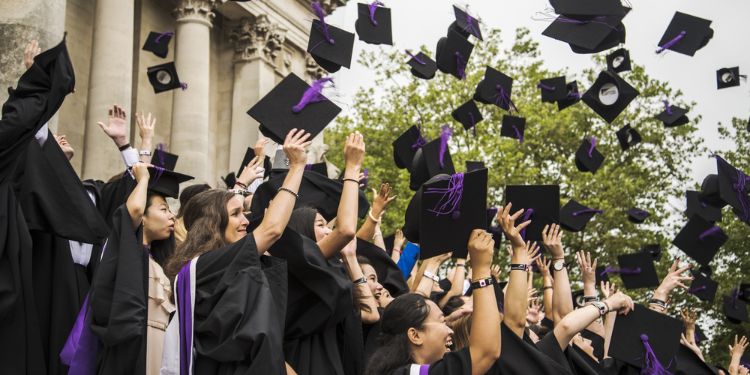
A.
x: 432, y: 276
x: 361, y: 280
x: 519, y: 267
x: 481, y: 283
x: 590, y: 299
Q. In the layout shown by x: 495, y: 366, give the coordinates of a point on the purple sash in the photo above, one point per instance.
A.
x: 186, y: 318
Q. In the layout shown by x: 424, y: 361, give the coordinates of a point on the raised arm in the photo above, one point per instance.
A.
x: 117, y: 130
x: 457, y: 284
x: 673, y: 280
x: 279, y: 211
x: 484, y: 336
x: 136, y: 203
x: 377, y: 239
x: 398, y: 244
x: 547, y: 283
x: 346, y: 219
x: 736, y: 352
x: 515, y: 296
x: 430, y: 265
x: 609, y: 321
x: 380, y: 201
x: 588, y: 273
x: 577, y: 320
x: 370, y: 314
x: 146, y: 131
x: 688, y: 338
x: 553, y: 242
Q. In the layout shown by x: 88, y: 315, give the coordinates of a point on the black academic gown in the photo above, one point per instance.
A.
x: 370, y: 332
x: 453, y: 363
x: 519, y: 357
x: 597, y: 342
x: 688, y: 363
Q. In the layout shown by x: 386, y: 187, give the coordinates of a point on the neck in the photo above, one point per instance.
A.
x: 146, y: 241
x: 419, y: 359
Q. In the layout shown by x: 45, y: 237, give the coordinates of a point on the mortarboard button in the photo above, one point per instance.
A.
x: 294, y: 104
x: 166, y: 182
x: 328, y: 45
x: 686, y: 34
x: 472, y: 166
x: 465, y: 24
x: 553, y: 89
x: 158, y: 43
x: 432, y: 159
x: 729, y: 77
x: 162, y: 158
x: 654, y: 250
x: 587, y: 7
x: 619, y: 61
x: 673, y: 116
x: 574, y: 216
x: 422, y: 66
x: 496, y: 88
x: 541, y: 205
x: 513, y: 127
x: 609, y: 95
x: 578, y: 299
x: 700, y: 239
x: 636, y: 270
x: 703, y: 287
x: 406, y: 146
x: 637, y: 216
x: 696, y: 207
x: 628, y: 137
x: 468, y: 115
x: 588, y: 158
x: 453, y: 53
x: 573, y: 96
x: 374, y: 23
x: 734, y: 187
x: 735, y: 308
x: 164, y: 78
x: 710, y: 192
x: 646, y: 339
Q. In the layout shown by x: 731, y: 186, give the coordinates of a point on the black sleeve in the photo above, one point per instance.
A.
x: 551, y: 348
x: 453, y: 363
x: 521, y: 358
x: 597, y: 342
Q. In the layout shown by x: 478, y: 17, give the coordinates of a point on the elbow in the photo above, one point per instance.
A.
x: 272, y: 232
x: 347, y: 233
x: 565, y: 329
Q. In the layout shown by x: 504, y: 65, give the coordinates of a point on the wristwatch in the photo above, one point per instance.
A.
x: 602, y: 308
x: 558, y: 265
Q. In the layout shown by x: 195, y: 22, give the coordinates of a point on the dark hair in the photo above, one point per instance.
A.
x: 454, y: 303
x: 540, y: 330
x: 407, y: 311
x: 361, y: 259
x: 188, y: 193
x: 161, y: 250
x: 302, y: 221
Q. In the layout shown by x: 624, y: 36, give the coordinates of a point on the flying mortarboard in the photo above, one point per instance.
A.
x: 686, y: 34
x: 553, y: 89
x: 229, y: 180
x: 468, y: 115
x: 328, y: 45
x: 158, y: 43
x: 615, y: 38
x: 166, y: 182
x: 745, y: 290
x: 572, y: 98
x: 406, y: 146
x: 249, y: 155
x: 637, y: 270
x: 422, y: 66
x: 465, y: 24
x: 374, y: 23
x: 513, y: 127
x: 700, y: 239
x: 164, y: 78
x: 703, y: 287
x: 587, y: 7
x: 710, y: 192
x: 696, y: 207
x: 496, y: 88
x: 735, y: 308
x: 646, y: 338
x: 589, y: 34
x: 574, y: 216
x: 588, y: 158
x: 734, y: 187
x: 609, y: 95
x: 637, y: 216
x: 619, y: 61
x: 578, y: 300
x: 453, y: 53
x: 412, y: 216
x: 432, y: 159
x: 654, y: 250
x: 600, y: 275
x: 472, y: 166
x: 628, y: 137
x: 162, y: 158
x: 673, y: 116
x: 294, y: 104
x: 729, y: 77
x: 541, y: 205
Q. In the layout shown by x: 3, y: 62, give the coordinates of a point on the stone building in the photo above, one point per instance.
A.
x: 229, y: 53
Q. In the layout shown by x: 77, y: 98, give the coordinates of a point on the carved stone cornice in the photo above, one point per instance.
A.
x: 200, y: 11
x: 313, y: 69
x: 259, y: 38
x: 328, y: 5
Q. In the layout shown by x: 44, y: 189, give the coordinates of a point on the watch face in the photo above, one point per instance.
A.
x: 559, y: 265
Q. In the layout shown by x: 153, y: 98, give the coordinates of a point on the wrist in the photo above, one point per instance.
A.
x: 589, y: 290
x: 352, y: 173
x: 660, y: 295
x: 520, y: 260
x: 483, y: 273
x: 120, y: 141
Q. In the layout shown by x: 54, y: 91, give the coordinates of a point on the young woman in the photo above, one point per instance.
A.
x: 187, y: 194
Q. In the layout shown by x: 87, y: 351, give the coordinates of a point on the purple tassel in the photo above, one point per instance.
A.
x: 696, y: 290
x: 738, y: 184
x: 575, y: 95
x: 183, y: 85
x: 670, y: 43
x: 711, y: 232
x: 461, y: 66
x: 642, y: 213
x: 500, y: 307
x: 159, y: 37
x: 747, y: 365
x: 545, y: 87
x: 491, y: 213
x: 322, y: 26
x: 622, y: 271
x: 503, y: 98
x: 365, y: 178
x: 653, y: 367
x: 593, y: 144
x: 473, y: 124
x: 588, y: 211
x: 519, y: 137
x: 420, y: 141
x: 703, y: 205
x: 697, y: 340
x: 157, y: 176
x: 444, y: 137
x: 735, y: 293
x: 666, y: 104
x: 373, y: 7
x: 161, y: 152
x: 308, y: 167
x: 312, y: 94
x: 415, y: 58
x: 470, y: 27
x: 450, y: 202
x: 526, y: 216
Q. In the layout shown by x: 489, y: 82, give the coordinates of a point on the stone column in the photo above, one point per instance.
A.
x: 110, y: 82
x: 257, y: 51
x: 22, y: 21
x: 190, y: 127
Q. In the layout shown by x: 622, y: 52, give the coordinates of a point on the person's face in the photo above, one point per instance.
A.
x: 385, y: 298
x: 158, y: 220
x: 584, y: 344
x: 321, y: 228
x: 237, y: 226
x: 436, y: 338
x: 372, y: 281
x: 65, y: 146
x: 468, y: 302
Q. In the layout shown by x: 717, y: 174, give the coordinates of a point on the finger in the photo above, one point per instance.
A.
x: 288, y: 138
x: 110, y: 113
x: 683, y: 286
x: 523, y: 225
x: 588, y: 259
x: 685, y: 278
x: 297, y: 135
x: 306, y: 144
x: 683, y: 269
x: 674, y: 265
x: 516, y: 215
x: 374, y: 193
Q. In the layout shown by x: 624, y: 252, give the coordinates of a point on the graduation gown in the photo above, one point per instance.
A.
x: 371, y: 332
x: 453, y: 363
x: 597, y: 342
x: 688, y: 363
x: 519, y: 357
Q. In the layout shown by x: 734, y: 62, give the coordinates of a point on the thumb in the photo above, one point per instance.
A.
x: 101, y: 125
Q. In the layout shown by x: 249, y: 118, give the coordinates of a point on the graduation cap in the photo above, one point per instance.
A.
x: 465, y: 24
x: 389, y: 242
x: 578, y: 300
x: 294, y: 104
x: 450, y: 210
x: 700, y: 239
x: 472, y: 166
x: 601, y: 275
x: 654, y: 250
x: 588, y: 158
x: 609, y: 95
x: 735, y: 308
x: 645, y: 337
x: 696, y: 207
x: 513, y: 127
x: 250, y: 154
x: 733, y: 188
x: 673, y: 116
x: 321, y: 168
x: 496, y: 88
x: 710, y: 192
x: 553, y: 89
x: 636, y: 270
x: 164, y: 78
x: 686, y: 34
x: 574, y: 216
x: 328, y: 45
x: 637, y: 216
x: 589, y: 34
x: 158, y: 43
x: 541, y: 205
x: 406, y: 146
x: 229, y: 180
x: 619, y: 61
x: 163, y: 159
x: 468, y: 115
x: 572, y: 98
x: 745, y: 290
x: 703, y: 287
x: 432, y: 159
x: 422, y: 66
x: 587, y: 7
x: 412, y: 216
x: 374, y: 23
x: 729, y: 77
x: 628, y: 137
x: 166, y: 182
x: 453, y: 53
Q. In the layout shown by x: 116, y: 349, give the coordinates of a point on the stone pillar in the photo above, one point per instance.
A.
x: 190, y: 108
x: 110, y: 82
x: 257, y: 51
x: 22, y: 21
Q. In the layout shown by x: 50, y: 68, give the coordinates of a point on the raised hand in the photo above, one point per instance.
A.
x: 442, y: 258
x: 32, y: 49
x: 507, y: 222
x: 621, y: 303
x: 117, y: 126
x: 294, y: 147
x: 588, y: 271
x: 543, y: 264
x: 380, y: 200
x: 496, y: 271
x: 552, y: 239
x: 398, y: 241
x: 260, y: 148
x: 249, y: 174
x: 692, y: 346
x: 354, y: 152
x: 672, y: 281
x: 526, y: 254
x: 145, y: 128
x: 140, y: 171
x: 533, y: 313
x: 688, y: 317
x: 530, y: 294
x: 607, y: 289
x: 481, y: 249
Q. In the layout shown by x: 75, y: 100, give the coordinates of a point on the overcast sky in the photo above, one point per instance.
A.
x: 423, y: 22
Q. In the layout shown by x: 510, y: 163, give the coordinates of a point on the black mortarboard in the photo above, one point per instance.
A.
x: 600, y: 275
x: 453, y: 53
x: 574, y: 216
x: 728, y: 77
x: 615, y: 38
x: 513, y: 127
x: 637, y: 216
x: 588, y: 158
x: 690, y: 363
x: 163, y: 77
x: 162, y: 158
x: 699, y: 334
x: 609, y: 95
x: 489, y: 89
x: 450, y: 210
x: 553, y: 89
x: 686, y: 34
x: 662, y: 333
x: 673, y: 116
x: 631, y: 277
x: 472, y: 166
x: 389, y: 243
x: 654, y: 250
x: 465, y: 24
x: 158, y: 43
x: 628, y: 137
x: 706, y: 270
x: 249, y: 155
x: 710, y: 192
x: 328, y: 45
x: 735, y: 310
x: 412, y: 216
x: 703, y: 287
x: 729, y: 177
x: 276, y: 111
x: 578, y: 299
x: 700, y: 239
x: 321, y: 168
x: 543, y: 199
x: 587, y: 7
x: 229, y: 180
x: 468, y: 115
x: 166, y: 182
x: 406, y: 146
x: 745, y: 290
x: 374, y: 24
x: 589, y: 35
x: 696, y: 207
x: 426, y: 164
x: 422, y: 66
x: 572, y: 98
x: 619, y: 61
